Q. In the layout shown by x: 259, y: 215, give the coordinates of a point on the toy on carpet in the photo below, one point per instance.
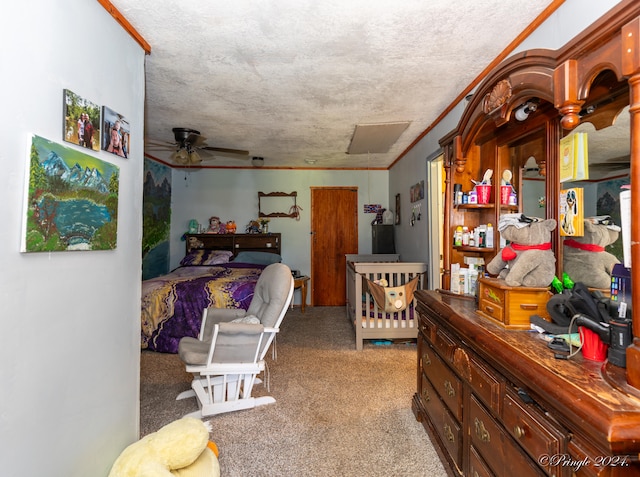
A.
x: 585, y: 259
x: 528, y: 260
x: 181, y: 448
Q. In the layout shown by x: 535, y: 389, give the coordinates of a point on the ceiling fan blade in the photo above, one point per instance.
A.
x: 613, y: 166
x: 224, y: 150
x: 195, y: 140
x: 156, y: 144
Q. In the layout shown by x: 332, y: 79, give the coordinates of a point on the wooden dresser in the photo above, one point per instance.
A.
x: 236, y: 243
x: 497, y: 403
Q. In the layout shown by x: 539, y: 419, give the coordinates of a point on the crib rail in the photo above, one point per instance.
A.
x: 371, y: 321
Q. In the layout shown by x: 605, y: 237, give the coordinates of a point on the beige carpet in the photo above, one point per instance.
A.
x: 338, y: 411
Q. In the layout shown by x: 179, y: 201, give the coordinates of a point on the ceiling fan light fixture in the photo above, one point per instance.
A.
x: 181, y: 156
x: 194, y: 158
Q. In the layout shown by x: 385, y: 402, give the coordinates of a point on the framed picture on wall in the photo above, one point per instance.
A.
x: 81, y: 121
x: 417, y: 192
x: 71, y: 200
x: 397, y: 209
x: 115, y: 133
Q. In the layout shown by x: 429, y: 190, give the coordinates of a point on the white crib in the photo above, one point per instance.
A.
x: 369, y: 320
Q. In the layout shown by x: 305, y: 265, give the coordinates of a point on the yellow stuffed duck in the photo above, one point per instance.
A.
x: 181, y: 448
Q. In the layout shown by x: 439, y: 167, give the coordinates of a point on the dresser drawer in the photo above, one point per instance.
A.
x: 427, y: 326
x: 492, y: 310
x: 487, y: 385
x: 446, y: 426
x: 494, y: 445
x: 477, y: 466
x: 585, y: 461
x: 444, y: 381
x: 532, y: 430
x: 444, y: 344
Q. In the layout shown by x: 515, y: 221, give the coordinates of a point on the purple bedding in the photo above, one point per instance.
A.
x: 172, y: 304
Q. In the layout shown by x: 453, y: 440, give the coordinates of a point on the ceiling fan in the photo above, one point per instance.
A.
x: 615, y: 164
x: 190, y: 148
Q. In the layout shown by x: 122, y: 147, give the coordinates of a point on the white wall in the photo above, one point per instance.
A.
x: 69, y: 345
x: 232, y: 194
x: 571, y: 18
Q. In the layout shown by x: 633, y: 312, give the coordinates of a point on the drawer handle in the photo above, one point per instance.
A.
x: 448, y: 433
x: 481, y: 431
x: 519, y: 432
x: 425, y: 395
x: 490, y: 309
x: 451, y: 392
x: 528, y: 306
x: 426, y: 360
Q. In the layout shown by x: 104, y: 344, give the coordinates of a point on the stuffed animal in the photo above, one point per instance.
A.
x: 214, y: 225
x: 528, y: 260
x: 253, y: 227
x: 194, y: 242
x: 231, y: 227
x: 585, y: 259
x: 180, y: 448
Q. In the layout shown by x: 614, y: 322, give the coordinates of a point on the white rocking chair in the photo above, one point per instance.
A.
x: 228, y: 355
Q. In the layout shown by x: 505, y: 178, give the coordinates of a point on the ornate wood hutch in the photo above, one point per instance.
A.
x: 496, y: 400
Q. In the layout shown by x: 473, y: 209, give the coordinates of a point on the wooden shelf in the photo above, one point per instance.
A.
x: 474, y: 206
x: 466, y: 248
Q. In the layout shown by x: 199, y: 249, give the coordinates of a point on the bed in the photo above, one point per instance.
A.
x: 172, y: 304
x: 370, y: 321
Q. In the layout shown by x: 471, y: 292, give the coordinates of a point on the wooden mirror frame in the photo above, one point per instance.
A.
x: 564, y: 79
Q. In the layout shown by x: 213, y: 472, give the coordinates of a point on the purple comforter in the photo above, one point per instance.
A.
x: 172, y: 304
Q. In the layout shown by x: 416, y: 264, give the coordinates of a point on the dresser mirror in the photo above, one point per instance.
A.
x: 528, y: 158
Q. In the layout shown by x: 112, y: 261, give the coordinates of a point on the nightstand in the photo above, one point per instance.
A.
x: 301, y: 283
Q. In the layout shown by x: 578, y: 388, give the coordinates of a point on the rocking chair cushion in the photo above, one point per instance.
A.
x: 249, y: 319
x: 236, y: 342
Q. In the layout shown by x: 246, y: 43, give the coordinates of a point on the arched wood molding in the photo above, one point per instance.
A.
x: 563, y: 78
x: 524, y: 76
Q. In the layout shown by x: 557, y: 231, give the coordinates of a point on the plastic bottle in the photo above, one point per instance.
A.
x: 465, y: 236
x: 489, y: 236
x: 457, y: 236
x: 482, y: 236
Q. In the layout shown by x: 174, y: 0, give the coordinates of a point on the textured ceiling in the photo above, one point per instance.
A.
x: 288, y: 80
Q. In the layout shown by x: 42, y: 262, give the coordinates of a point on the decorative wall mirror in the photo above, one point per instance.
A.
x: 273, y: 204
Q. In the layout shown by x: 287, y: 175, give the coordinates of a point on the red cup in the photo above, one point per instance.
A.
x: 592, y: 346
x: 484, y: 194
x: 505, y: 191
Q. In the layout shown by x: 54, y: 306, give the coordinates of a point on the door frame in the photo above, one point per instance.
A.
x: 435, y: 224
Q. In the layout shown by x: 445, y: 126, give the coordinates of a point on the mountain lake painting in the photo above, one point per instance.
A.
x: 71, y: 200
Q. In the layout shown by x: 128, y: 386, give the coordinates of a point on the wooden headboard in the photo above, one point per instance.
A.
x: 236, y: 243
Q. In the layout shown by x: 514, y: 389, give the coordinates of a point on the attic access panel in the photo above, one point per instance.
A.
x: 375, y: 138
x: 282, y: 201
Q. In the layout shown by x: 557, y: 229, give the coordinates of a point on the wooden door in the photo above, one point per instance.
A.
x: 334, y: 228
